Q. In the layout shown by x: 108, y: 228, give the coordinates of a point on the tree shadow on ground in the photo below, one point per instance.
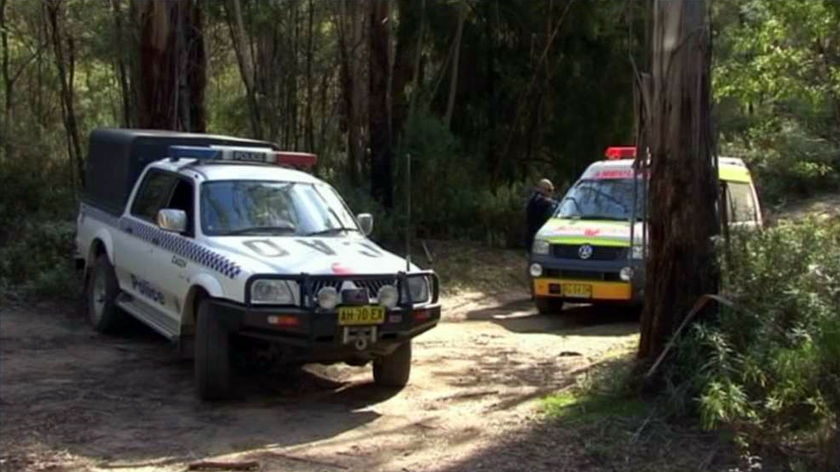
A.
x: 130, y: 399
x: 520, y: 316
x: 641, y: 442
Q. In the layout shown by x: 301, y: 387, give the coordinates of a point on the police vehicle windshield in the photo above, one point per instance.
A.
x: 602, y: 199
x: 255, y: 207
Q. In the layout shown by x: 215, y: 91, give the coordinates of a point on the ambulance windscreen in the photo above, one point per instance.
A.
x: 602, y: 199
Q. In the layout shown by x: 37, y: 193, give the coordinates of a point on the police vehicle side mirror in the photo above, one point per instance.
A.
x: 169, y: 219
x: 365, y: 223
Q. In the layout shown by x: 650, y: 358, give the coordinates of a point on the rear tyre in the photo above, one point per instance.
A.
x: 394, y: 369
x: 548, y: 306
x: 212, y: 355
x: 101, y: 298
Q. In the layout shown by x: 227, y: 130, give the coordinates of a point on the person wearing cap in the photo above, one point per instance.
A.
x: 539, y: 209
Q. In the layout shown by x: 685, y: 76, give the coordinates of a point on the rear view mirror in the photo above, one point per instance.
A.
x: 365, y: 223
x: 169, y: 219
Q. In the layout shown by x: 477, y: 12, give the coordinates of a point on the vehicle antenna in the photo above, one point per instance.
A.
x: 408, y: 212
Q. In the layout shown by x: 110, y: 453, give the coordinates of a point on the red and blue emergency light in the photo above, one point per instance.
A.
x: 244, y: 154
x: 620, y: 152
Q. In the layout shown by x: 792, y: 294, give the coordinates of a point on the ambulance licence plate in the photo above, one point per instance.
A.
x: 361, y: 315
x: 577, y: 290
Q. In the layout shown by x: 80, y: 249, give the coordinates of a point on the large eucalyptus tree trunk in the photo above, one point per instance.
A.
x: 675, y: 125
x: 172, y: 66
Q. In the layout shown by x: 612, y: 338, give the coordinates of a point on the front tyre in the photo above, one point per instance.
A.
x: 101, y: 293
x: 394, y: 369
x: 212, y: 355
x: 548, y: 306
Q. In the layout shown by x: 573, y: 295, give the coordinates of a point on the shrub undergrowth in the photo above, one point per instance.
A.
x: 770, y: 369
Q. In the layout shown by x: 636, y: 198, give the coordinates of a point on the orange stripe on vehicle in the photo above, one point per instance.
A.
x: 600, y: 290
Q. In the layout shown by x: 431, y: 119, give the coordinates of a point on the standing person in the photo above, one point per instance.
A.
x: 539, y: 209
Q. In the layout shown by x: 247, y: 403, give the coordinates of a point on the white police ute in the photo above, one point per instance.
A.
x: 220, y: 243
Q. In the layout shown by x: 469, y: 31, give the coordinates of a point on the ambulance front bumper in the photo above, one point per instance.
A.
x: 588, y: 280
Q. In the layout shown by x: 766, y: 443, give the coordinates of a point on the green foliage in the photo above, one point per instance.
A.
x: 769, y: 369
x: 451, y: 194
x: 38, y: 260
x: 777, y: 83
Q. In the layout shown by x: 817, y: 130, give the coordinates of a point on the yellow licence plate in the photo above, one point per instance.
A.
x: 361, y: 315
x: 577, y: 290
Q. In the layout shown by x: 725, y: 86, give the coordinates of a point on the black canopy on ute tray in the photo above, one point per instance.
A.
x: 117, y: 157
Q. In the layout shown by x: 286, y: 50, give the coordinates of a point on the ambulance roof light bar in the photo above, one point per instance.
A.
x: 243, y: 154
x: 620, y: 152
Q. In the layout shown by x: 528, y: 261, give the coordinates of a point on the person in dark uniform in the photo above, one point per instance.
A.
x: 539, y: 210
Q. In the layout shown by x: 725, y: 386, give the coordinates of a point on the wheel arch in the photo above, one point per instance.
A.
x: 101, y: 244
x: 204, y: 286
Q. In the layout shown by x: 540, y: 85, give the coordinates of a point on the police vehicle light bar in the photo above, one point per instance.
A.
x: 245, y: 154
x: 620, y: 152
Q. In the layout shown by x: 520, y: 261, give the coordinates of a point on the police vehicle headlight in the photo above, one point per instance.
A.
x: 388, y: 296
x: 275, y: 292
x: 416, y: 289
x: 626, y: 274
x: 327, y: 298
x: 540, y: 247
x: 536, y: 270
x: 637, y: 252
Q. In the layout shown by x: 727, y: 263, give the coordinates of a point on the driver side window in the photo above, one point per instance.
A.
x: 153, y: 195
x: 164, y: 190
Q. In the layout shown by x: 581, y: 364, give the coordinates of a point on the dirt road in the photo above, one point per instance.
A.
x: 71, y: 399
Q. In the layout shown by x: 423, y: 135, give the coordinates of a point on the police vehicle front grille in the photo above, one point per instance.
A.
x: 599, y: 253
x: 583, y: 275
x: 372, y: 285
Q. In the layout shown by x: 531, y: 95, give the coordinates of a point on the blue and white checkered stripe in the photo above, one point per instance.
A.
x: 181, y: 246
x: 168, y: 241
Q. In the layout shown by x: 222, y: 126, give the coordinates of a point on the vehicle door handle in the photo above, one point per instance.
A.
x: 155, y: 241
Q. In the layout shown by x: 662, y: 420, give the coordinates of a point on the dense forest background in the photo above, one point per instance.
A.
x: 485, y: 96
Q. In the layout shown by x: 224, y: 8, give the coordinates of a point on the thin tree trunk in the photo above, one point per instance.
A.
x: 309, y: 133
x: 405, y: 63
x: 350, y: 39
x: 74, y: 149
x: 322, y: 132
x: 122, y: 74
x: 381, y: 179
x: 196, y: 68
x: 244, y: 53
x: 293, y: 77
x: 683, y: 176
x: 453, y: 83
x: 8, y: 84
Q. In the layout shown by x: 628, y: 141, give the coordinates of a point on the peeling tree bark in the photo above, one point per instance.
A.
x: 683, y: 171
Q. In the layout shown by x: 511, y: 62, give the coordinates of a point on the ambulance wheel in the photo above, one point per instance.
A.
x: 548, y: 306
x: 394, y: 369
x: 102, y: 290
x: 212, y: 355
